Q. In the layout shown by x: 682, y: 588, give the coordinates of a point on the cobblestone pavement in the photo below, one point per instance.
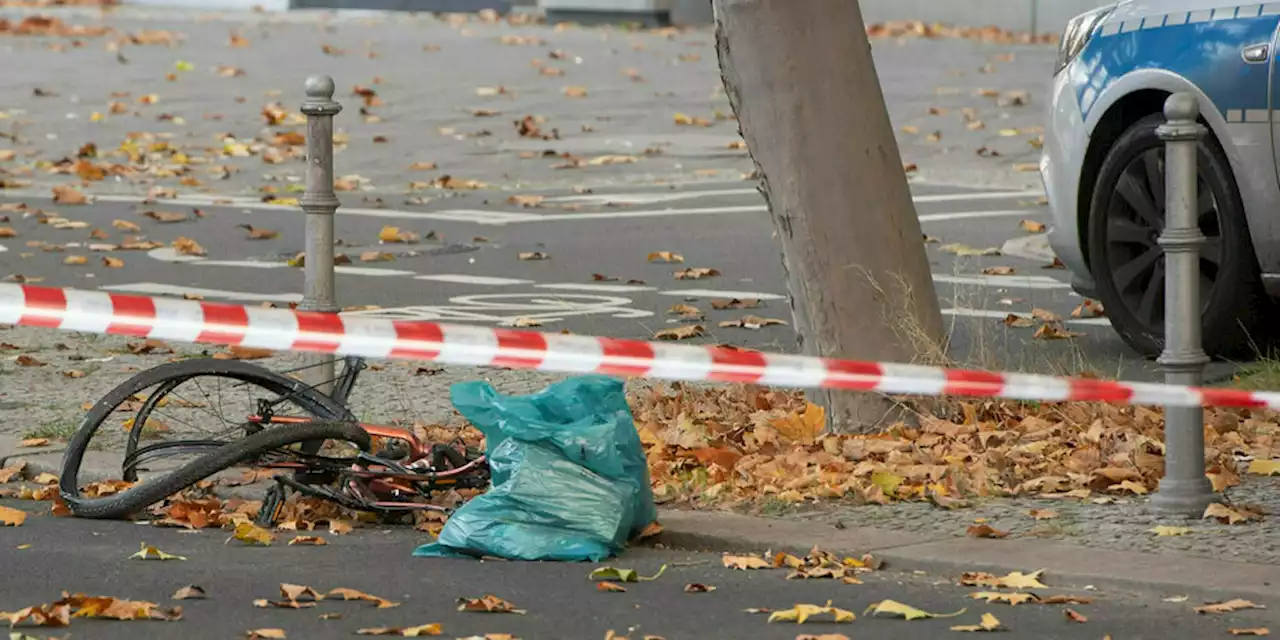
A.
x: 43, y: 401
x: 1122, y: 523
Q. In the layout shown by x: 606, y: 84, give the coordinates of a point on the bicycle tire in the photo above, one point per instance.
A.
x: 320, y: 405
x: 152, y: 491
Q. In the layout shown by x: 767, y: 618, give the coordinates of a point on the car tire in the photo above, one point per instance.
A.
x: 1234, y: 301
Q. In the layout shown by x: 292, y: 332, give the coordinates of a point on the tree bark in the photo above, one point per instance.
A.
x: 800, y: 77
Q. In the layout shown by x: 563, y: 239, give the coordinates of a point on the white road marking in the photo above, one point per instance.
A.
x: 655, y: 213
x: 994, y: 313
x: 3, y: 248
x: 371, y: 271
x: 715, y: 293
x: 466, y: 279
x: 655, y: 198
x: 649, y: 213
x: 168, y: 254
x: 507, y: 309
x: 605, y: 288
x: 977, y: 195
x: 651, y: 197
x: 1010, y: 282
x: 155, y: 288
x: 248, y: 264
x: 966, y: 215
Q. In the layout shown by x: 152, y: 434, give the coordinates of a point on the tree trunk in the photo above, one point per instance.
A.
x: 800, y: 77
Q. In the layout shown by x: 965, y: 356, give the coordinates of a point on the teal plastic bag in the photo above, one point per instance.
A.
x: 570, y: 479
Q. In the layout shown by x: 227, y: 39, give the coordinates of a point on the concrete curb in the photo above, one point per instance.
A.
x: 1065, y: 565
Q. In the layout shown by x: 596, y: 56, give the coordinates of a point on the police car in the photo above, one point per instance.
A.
x: 1103, y: 166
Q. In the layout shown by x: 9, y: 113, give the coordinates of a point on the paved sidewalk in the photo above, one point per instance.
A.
x: 905, y: 548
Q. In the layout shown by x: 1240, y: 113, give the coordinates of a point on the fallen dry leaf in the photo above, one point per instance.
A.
x: 75, y: 260
x: 187, y: 246
x: 63, y: 194
x: 1088, y: 309
x: 1253, y: 631
x: 1042, y: 514
x: 190, y: 592
x: 752, y: 322
x: 251, y: 534
x: 433, y: 629
x: 1065, y: 599
x: 735, y: 303
x: 534, y: 255
x: 165, y: 216
x: 315, y: 541
x: 488, y: 603
x: 1230, y: 515
x: 10, y: 517
x: 684, y: 332
x: 152, y: 553
x: 745, y: 562
x: 352, y: 594
x: 998, y: 271
x: 696, y: 273
x: 1228, y: 606
x: 397, y: 235
x: 1264, y: 467
x: 988, y: 623
x: 112, y: 263
x: 610, y: 587
x: 1054, y: 332
x: 272, y: 633
x: 1074, y: 616
x: 34, y: 442
x: 1014, y: 580
x: 526, y: 201
x: 1012, y: 599
x: 1031, y: 226
x: 802, y: 612
x: 894, y: 608
x: 985, y: 531
x: 9, y: 473
x: 665, y: 256
x: 28, y: 361
x: 695, y: 587
x: 1164, y: 531
x: 258, y: 233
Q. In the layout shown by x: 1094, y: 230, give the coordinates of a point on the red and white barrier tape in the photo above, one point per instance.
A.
x: 288, y: 330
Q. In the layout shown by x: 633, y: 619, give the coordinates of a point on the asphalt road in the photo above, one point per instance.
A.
x: 968, y: 113
x: 92, y: 557
x: 595, y: 279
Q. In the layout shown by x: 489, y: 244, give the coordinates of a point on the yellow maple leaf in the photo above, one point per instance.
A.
x: 1265, y: 467
x: 907, y: 612
x: 988, y: 623
x: 802, y: 612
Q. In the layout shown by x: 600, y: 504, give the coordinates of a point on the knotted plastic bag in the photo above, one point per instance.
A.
x: 570, y: 479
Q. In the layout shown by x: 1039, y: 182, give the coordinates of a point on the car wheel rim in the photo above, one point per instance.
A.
x: 1135, y: 220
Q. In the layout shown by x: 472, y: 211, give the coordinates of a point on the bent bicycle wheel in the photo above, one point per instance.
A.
x: 261, y: 447
x: 169, y: 414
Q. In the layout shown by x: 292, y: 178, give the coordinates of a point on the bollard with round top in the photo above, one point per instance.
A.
x: 319, y: 202
x: 1183, y: 490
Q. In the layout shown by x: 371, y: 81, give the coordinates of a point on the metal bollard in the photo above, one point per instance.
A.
x: 319, y: 203
x: 1183, y: 490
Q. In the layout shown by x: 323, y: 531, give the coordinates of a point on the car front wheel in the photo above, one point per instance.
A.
x: 1126, y: 217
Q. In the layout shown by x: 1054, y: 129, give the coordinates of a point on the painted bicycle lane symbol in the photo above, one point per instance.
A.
x: 507, y: 309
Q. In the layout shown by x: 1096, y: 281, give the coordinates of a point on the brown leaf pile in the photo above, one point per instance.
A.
x: 733, y: 445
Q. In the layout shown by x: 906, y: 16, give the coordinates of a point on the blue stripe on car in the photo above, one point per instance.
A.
x: 1204, y: 49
